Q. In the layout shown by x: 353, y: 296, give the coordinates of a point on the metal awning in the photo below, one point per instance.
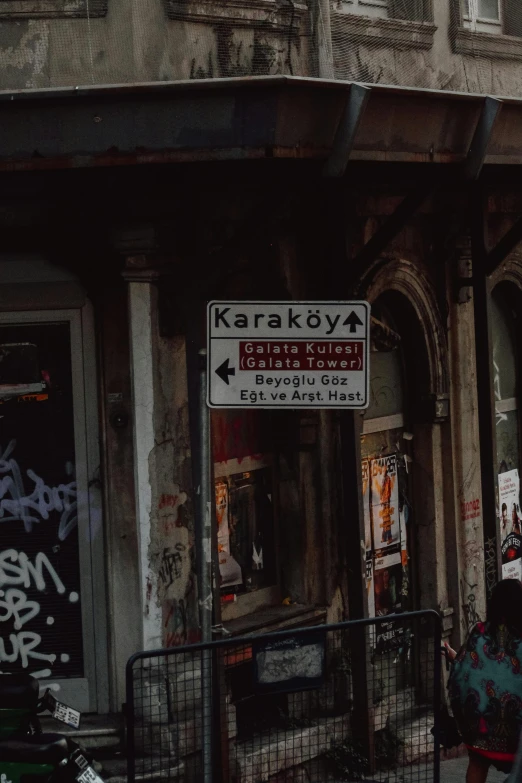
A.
x: 249, y: 118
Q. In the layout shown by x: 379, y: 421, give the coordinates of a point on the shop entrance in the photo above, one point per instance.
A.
x: 51, y: 601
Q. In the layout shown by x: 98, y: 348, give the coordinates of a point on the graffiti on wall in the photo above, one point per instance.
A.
x: 17, y: 504
x: 171, y: 560
x: 470, y: 615
x: 171, y: 568
x: 169, y: 507
x: 177, y: 627
x: 470, y: 509
x: 18, y: 574
x: 500, y: 416
x: 490, y: 562
x: 41, y: 629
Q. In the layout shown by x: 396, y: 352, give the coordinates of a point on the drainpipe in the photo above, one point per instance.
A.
x: 322, y: 37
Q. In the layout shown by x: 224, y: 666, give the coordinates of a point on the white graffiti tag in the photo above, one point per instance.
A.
x: 15, y: 604
x: 498, y: 396
x: 17, y: 569
x: 17, y: 505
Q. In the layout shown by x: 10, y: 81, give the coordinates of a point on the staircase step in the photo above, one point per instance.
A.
x: 96, y: 731
x: 115, y: 771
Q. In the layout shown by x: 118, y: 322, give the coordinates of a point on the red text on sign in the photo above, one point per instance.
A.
x: 303, y: 355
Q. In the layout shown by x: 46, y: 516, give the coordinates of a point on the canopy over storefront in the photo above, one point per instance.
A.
x: 260, y: 117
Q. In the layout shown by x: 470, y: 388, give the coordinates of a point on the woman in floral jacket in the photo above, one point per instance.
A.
x: 485, y: 685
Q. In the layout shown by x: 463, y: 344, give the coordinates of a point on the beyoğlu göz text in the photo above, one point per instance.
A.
x: 301, y: 380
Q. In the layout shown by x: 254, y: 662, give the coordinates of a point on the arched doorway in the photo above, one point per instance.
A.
x: 386, y: 451
x: 401, y: 448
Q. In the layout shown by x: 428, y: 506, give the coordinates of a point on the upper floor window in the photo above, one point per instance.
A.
x: 482, y: 15
x: 408, y: 10
x: 372, y: 8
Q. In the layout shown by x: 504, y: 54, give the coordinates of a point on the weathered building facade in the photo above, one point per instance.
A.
x: 125, y: 209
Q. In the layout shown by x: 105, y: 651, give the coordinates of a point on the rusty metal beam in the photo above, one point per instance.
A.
x: 503, y: 248
x: 390, y: 229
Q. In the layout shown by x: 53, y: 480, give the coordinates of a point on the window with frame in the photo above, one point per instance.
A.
x: 407, y: 10
x: 49, y: 9
x: 500, y: 17
x: 483, y: 16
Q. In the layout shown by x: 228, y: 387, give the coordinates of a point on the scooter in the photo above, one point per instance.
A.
x: 26, y: 754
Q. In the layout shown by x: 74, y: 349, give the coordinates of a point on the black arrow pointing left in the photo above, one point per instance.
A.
x: 223, y: 371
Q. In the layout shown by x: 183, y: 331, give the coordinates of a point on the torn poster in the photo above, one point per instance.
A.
x: 385, y: 501
x: 510, y: 519
x: 229, y: 568
x: 388, y: 584
x: 366, y: 505
x: 404, y: 550
x: 257, y: 558
x: 368, y: 536
x: 369, y: 585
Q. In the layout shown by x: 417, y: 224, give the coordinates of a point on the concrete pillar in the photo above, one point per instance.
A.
x: 141, y: 302
x: 466, y: 552
x: 429, y: 486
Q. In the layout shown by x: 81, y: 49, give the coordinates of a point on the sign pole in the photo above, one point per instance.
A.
x: 294, y: 355
x: 205, y: 561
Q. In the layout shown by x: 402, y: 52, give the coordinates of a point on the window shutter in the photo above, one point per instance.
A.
x: 512, y: 17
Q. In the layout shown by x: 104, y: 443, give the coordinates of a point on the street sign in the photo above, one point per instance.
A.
x: 288, y: 354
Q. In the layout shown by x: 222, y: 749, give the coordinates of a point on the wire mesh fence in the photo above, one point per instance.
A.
x: 353, y: 701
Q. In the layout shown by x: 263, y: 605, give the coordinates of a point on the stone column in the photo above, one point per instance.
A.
x: 466, y: 551
x: 142, y: 296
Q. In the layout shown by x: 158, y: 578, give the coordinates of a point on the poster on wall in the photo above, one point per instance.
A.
x: 388, y: 584
x: 510, y: 524
x: 229, y: 568
x: 388, y: 601
x: 366, y: 505
x: 368, y: 536
x: 385, y: 502
x: 403, y: 515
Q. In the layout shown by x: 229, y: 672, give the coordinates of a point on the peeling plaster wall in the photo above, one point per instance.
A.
x: 466, y: 466
x: 152, y: 40
x: 141, y: 314
x: 171, y: 552
x: 137, y: 42
x: 25, y: 53
x: 438, y: 67
x: 163, y: 476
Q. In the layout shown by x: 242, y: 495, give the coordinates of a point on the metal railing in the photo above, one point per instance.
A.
x: 351, y: 701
